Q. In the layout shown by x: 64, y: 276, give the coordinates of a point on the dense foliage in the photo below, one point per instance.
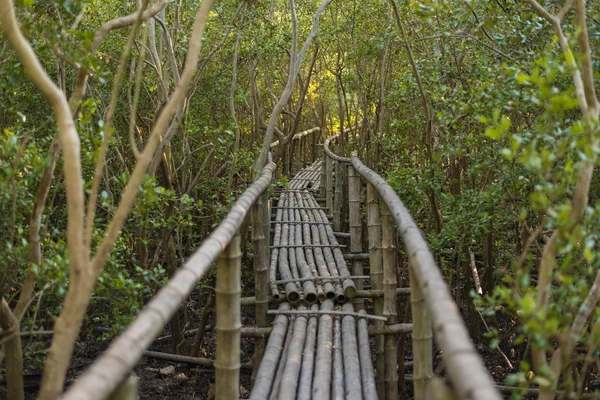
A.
x: 479, y: 130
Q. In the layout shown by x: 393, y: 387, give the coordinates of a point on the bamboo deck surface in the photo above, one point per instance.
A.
x: 315, y: 355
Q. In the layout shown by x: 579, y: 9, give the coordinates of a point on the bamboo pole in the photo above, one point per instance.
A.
x: 337, y: 198
x: 322, y: 377
x: 355, y: 230
x: 376, y: 265
x: 308, y: 360
x: 363, y: 294
x: 261, y: 278
x: 276, y: 242
x: 329, y: 183
x: 327, y: 232
x: 322, y: 287
x: 351, y: 361
x: 311, y: 235
x: 389, y: 301
x: 337, y: 387
x: 329, y: 312
x: 308, y: 284
x: 421, y: 339
x: 322, y: 240
x: 366, y: 365
x: 289, y: 382
x: 276, y: 389
x: 228, y: 293
x: 268, y: 366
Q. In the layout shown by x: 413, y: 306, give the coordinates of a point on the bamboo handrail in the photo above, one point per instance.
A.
x: 464, y: 365
x: 104, y: 376
x: 298, y: 135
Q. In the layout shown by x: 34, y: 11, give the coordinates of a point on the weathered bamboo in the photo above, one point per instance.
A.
x: 308, y: 284
x: 322, y: 377
x: 329, y: 183
x: 323, y: 287
x: 389, y: 329
x: 276, y: 389
x: 327, y: 252
x: 308, y: 360
x: 261, y: 277
x: 289, y: 382
x: 355, y: 230
x: 351, y: 360
x: 363, y: 294
x: 324, y: 246
x: 275, y: 253
x: 464, y: 365
x: 376, y: 269
x: 320, y: 265
x: 229, y: 322
x: 292, y: 243
x: 323, y: 186
x: 337, y: 197
x: 421, y: 339
x: 359, y: 256
x: 389, y: 301
x: 327, y: 232
x: 127, y: 391
x: 268, y: 366
x: 329, y: 312
x: 177, y: 358
x: 337, y: 386
x: 366, y: 365
x: 266, y: 215
x: 103, y: 377
x: 333, y: 278
x: 291, y: 289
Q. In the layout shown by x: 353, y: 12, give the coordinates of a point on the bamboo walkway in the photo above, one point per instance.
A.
x: 313, y: 336
x: 314, y: 355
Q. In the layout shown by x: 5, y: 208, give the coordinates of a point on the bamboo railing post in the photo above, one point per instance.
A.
x: 261, y: 277
x: 375, y: 263
x: 389, y: 301
x: 127, y: 391
x: 329, y: 183
x: 337, y: 197
x: 355, y: 230
x: 421, y: 338
x: 228, y: 290
x: 323, y: 186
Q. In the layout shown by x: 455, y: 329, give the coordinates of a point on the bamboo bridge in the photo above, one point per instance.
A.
x: 314, y: 326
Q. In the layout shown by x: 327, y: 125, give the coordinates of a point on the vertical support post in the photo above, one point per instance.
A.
x: 127, y: 391
x: 337, y: 198
x: 421, y: 337
x: 355, y: 230
x: 376, y: 266
x: 261, y: 278
x: 389, y: 300
x: 229, y: 323
x: 329, y: 183
x: 323, y: 186
x: 302, y: 153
